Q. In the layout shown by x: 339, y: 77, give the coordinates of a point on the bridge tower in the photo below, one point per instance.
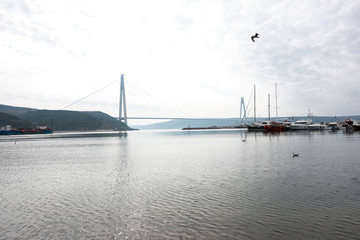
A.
x: 122, y: 101
x: 242, y: 107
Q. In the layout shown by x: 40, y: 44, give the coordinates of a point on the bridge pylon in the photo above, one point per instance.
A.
x: 242, y: 108
x: 122, y: 105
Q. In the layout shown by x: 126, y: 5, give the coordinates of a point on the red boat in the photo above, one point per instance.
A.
x: 275, y: 127
x: 17, y: 131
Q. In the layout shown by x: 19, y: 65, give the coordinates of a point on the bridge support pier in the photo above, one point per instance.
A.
x: 122, y: 101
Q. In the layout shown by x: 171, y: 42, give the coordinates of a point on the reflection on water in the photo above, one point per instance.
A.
x: 180, y: 185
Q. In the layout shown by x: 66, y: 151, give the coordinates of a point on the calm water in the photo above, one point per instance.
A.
x: 180, y: 185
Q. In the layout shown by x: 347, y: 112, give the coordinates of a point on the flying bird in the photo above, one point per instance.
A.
x: 255, y: 36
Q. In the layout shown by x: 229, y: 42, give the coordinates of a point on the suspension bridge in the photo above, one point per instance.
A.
x: 123, y: 113
x: 123, y: 117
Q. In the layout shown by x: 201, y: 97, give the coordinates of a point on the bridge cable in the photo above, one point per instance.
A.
x: 91, y: 94
x: 159, y: 100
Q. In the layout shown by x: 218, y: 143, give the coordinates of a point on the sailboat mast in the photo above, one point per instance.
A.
x: 276, y: 101
x: 269, y: 105
x: 254, y: 103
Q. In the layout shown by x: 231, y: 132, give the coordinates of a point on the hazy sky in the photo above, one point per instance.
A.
x: 181, y: 58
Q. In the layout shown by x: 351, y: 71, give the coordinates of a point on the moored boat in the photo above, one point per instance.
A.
x: 8, y: 130
x: 302, y: 124
x: 333, y: 126
x: 351, y: 125
x: 257, y: 126
x: 275, y: 127
x: 317, y: 126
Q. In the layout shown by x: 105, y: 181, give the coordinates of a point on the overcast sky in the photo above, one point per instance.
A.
x: 182, y: 58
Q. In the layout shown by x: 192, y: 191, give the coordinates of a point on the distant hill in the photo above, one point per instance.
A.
x: 14, y: 121
x: 16, y: 111
x: 60, y: 120
x: 179, y: 124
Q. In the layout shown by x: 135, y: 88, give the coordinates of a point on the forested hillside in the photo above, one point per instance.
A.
x: 60, y: 120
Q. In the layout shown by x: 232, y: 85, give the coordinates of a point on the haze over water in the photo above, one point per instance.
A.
x: 180, y: 185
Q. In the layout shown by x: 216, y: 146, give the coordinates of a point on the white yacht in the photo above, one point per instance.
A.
x: 302, y: 124
x: 317, y: 126
x: 333, y: 126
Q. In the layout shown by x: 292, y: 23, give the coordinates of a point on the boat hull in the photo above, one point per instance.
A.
x: 256, y: 128
x: 275, y: 127
x: 299, y: 127
x: 25, y: 131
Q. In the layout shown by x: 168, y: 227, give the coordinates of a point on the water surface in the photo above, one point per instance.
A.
x: 180, y: 185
